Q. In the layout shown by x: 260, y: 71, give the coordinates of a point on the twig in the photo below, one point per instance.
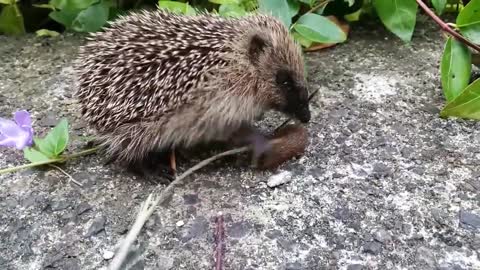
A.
x: 290, y: 119
x: 447, y: 28
x: 319, y: 6
x: 219, y: 242
x: 68, y: 175
x: 145, y: 213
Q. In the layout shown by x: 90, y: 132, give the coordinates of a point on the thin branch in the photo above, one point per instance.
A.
x: 68, y: 175
x: 146, y: 212
x: 143, y: 215
x: 319, y: 5
x: 445, y: 27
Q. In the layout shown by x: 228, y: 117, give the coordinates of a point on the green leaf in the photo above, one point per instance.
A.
x: 294, y: 7
x: 56, y: 140
x: 399, y: 16
x: 65, y: 16
x: 73, y: 4
x: 46, y: 32
x: 11, y: 21
x: 469, y: 21
x: 305, y: 42
x: 7, y: 2
x: 439, y: 5
x: 278, y: 8
x: 466, y: 105
x: 319, y: 29
x: 226, y: 2
x: 91, y: 19
x: 231, y: 10
x: 177, y: 7
x: 33, y: 155
x: 456, y: 67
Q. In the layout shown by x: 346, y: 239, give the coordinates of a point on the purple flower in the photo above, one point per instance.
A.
x: 17, y: 134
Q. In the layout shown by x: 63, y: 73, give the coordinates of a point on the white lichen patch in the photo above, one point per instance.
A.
x: 374, y: 88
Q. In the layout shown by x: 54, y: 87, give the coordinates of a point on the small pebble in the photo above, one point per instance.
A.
x: 279, y: 179
x: 107, y: 255
x: 180, y: 223
x: 97, y: 226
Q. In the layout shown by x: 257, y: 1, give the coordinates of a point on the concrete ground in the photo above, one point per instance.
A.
x: 385, y: 183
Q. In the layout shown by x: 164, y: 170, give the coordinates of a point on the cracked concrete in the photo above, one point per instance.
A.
x: 385, y: 183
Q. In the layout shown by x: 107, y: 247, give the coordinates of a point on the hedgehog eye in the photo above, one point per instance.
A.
x: 283, y: 78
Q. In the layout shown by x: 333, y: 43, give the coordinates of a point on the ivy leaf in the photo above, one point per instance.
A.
x: 455, y: 68
x: 399, y: 16
x: 439, y: 5
x: 231, y: 10
x: 56, y: 140
x: 33, y: 155
x: 319, y: 29
x: 469, y: 21
x: 278, y: 8
x: 11, y: 20
x: 91, y: 19
x: 466, y: 105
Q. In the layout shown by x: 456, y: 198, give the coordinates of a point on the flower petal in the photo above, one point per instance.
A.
x: 13, y: 135
x: 25, y: 122
x: 23, y: 118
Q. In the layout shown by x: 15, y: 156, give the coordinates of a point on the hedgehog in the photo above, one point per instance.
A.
x: 153, y: 81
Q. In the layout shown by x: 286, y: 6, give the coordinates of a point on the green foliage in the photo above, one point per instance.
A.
x: 177, y: 7
x: 466, y: 105
x: 469, y: 21
x: 399, y: 16
x: 51, y: 146
x: 319, y: 29
x: 439, y: 5
x: 455, y: 68
x: 278, y: 8
x: 80, y: 15
x: 11, y: 19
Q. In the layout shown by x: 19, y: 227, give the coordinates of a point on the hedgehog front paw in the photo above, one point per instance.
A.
x: 252, y: 137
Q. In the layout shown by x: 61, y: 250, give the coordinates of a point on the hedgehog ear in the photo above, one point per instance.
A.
x: 256, y: 46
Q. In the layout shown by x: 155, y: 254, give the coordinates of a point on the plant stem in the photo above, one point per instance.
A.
x: 59, y: 159
x: 30, y: 165
x: 447, y: 28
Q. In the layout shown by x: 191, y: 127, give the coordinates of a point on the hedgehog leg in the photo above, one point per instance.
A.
x: 173, y: 162
x: 154, y: 168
